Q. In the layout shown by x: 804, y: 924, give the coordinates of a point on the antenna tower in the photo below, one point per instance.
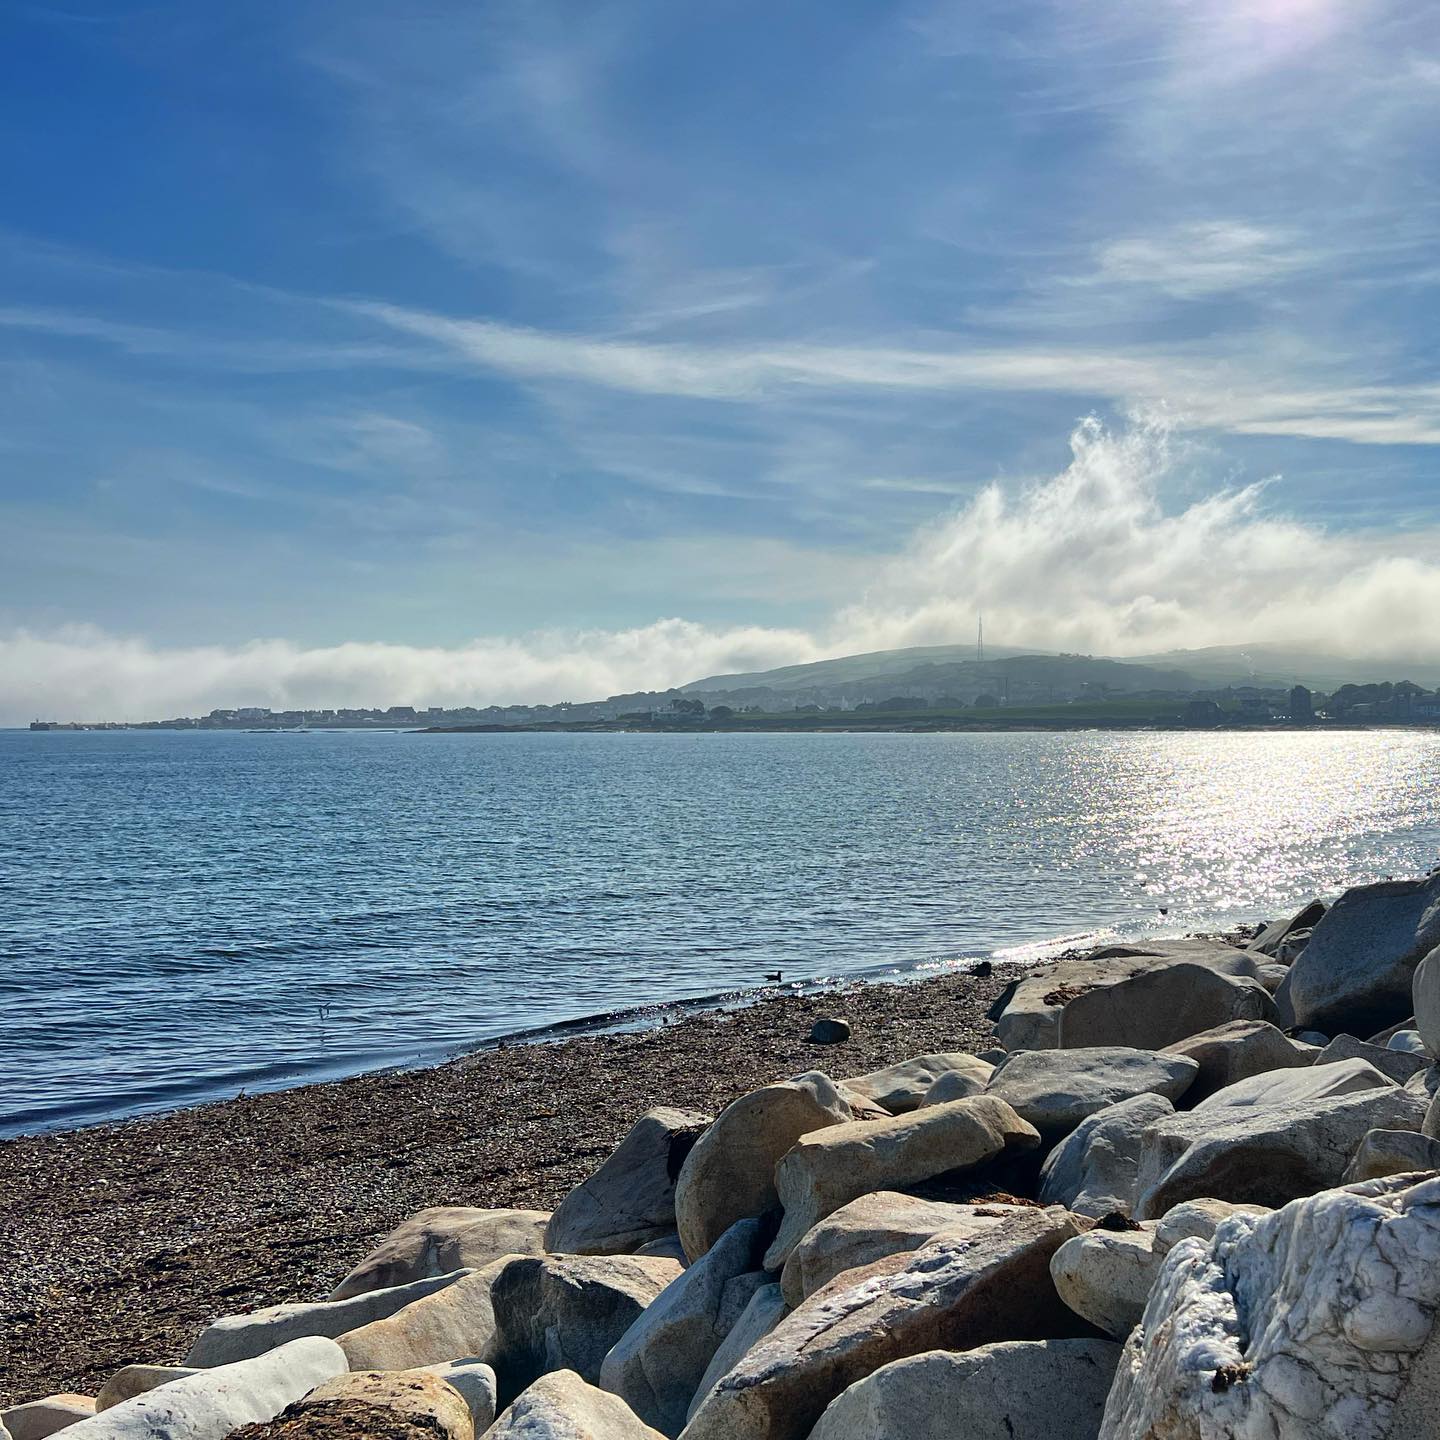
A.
x: 980, y: 640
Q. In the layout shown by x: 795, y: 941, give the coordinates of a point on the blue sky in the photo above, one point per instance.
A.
x: 694, y: 335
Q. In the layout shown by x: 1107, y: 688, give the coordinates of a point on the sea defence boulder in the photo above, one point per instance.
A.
x: 1015, y: 1390
x: 1425, y: 998
x: 1392, y: 1152
x: 222, y: 1398
x: 133, y: 1380
x: 238, y: 1337
x: 1264, y: 1154
x: 630, y: 1200
x: 1357, y: 972
x: 39, y: 1419
x: 657, y: 1364
x: 566, y: 1312
x: 767, y: 1308
x: 951, y: 1294
x: 399, y: 1405
x: 562, y: 1406
x: 1271, y: 940
x: 1054, y: 1090
x: 1160, y: 1005
x: 902, y: 1088
x: 1093, y: 1171
x: 729, y: 1174
x: 442, y: 1240
x: 870, y: 1228
x: 1297, y: 1086
x: 829, y: 1167
x: 1397, y: 1065
x: 1105, y: 1276
x: 1030, y: 1016
x: 1236, y: 1051
x: 1314, y: 1323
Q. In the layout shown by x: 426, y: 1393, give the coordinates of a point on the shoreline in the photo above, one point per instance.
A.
x: 122, y: 1240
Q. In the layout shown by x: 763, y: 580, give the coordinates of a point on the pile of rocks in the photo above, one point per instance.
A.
x: 1192, y: 1192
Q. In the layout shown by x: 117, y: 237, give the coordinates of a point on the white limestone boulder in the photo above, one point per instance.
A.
x: 902, y: 1088
x: 1237, y: 1051
x: 566, y: 1312
x: 656, y: 1366
x: 1264, y: 1154
x: 829, y: 1167
x: 951, y: 1294
x: 239, y: 1337
x: 1314, y: 1323
x: 1056, y: 1089
x: 729, y: 1174
x: 1093, y: 1171
x: 441, y: 1240
x: 222, y: 1398
x: 562, y: 1406
x: 870, y: 1228
x: 1014, y: 1390
x: 630, y: 1200
x: 1105, y: 1276
x: 1357, y: 972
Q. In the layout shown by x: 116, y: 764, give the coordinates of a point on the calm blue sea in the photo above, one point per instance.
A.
x: 186, y: 915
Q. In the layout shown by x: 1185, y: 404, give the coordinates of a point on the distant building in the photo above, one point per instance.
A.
x: 1302, y: 705
x: 1203, y: 712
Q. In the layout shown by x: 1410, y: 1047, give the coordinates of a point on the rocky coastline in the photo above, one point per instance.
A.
x: 1167, y: 1191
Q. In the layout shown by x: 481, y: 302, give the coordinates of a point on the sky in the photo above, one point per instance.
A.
x: 446, y: 353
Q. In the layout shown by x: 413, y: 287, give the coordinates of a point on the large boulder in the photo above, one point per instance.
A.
x: 1392, y: 1152
x: 767, y: 1308
x: 39, y: 1419
x: 220, y: 1399
x: 398, y: 1405
x: 1105, y: 1276
x: 903, y: 1087
x: 1271, y: 940
x: 456, y: 1321
x: 1395, y: 1065
x: 1264, y: 1154
x: 565, y: 1312
x: 729, y: 1174
x: 1314, y: 1323
x: 441, y: 1240
x: 831, y: 1166
x: 1425, y: 997
x: 1161, y: 1005
x: 630, y: 1200
x: 1237, y: 1051
x: 870, y: 1228
x: 1030, y: 1016
x: 132, y: 1380
x: 1015, y: 1390
x: 1197, y: 1220
x: 656, y: 1366
x: 561, y: 1406
x: 1056, y: 1089
x: 238, y: 1337
x: 1295, y: 1087
x: 952, y: 1294
x: 1357, y: 972
x: 1093, y: 1171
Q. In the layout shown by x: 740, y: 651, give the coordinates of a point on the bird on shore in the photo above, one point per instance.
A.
x: 776, y: 975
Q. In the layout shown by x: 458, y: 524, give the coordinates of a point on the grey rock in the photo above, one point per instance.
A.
x: 1272, y: 976
x: 1409, y: 1042
x: 1288, y: 1087
x: 1397, y: 1065
x: 829, y: 1167
x: 1197, y: 1220
x: 1425, y: 999
x: 219, y: 1399
x: 630, y: 1200
x: 1264, y: 1154
x: 36, y: 1419
x: 133, y: 1380
x: 668, y: 1247
x: 475, y: 1382
x: 1105, y: 1277
x: 729, y: 1175
x: 239, y: 1337
x: 415, y: 1403
x: 829, y: 1030
x: 1301, y: 1325
x: 1093, y: 1171
x: 656, y: 1366
x: 1270, y: 939
x: 1357, y: 971
x: 901, y: 1088
x: 1016, y: 1390
x: 953, y: 1085
x: 767, y: 1308
x: 566, y: 1312
x: 561, y: 1406
x: 1392, y: 1152
x: 441, y: 1240
x: 1056, y: 1089
x: 1161, y: 1005
x: 1236, y: 1051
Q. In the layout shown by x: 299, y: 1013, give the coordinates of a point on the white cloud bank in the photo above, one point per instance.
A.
x: 1090, y: 559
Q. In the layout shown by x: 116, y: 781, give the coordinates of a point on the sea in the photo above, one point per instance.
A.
x: 185, y: 916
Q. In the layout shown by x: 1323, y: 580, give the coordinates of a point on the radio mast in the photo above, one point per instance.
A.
x: 980, y: 639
